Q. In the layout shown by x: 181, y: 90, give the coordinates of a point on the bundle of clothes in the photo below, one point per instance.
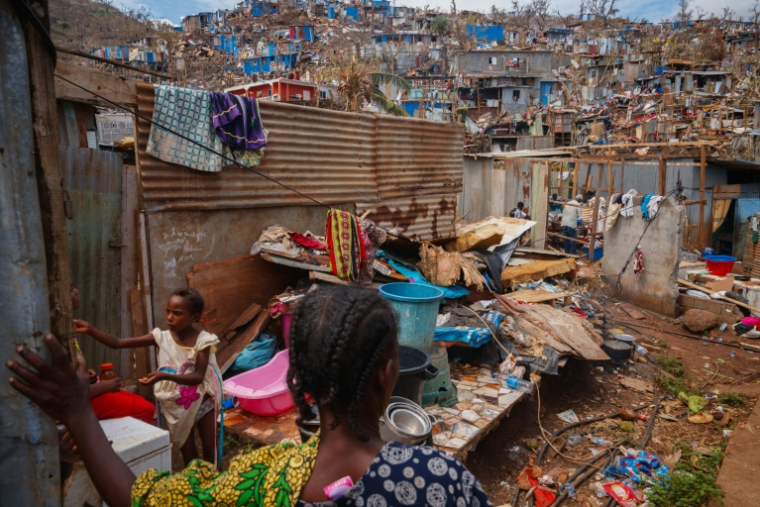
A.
x: 205, y: 131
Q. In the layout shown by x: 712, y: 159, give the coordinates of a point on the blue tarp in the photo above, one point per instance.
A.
x: 489, y: 33
x: 473, y: 336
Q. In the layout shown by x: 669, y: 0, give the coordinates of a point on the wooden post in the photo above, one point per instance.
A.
x: 575, y: 179
x: 50, y: 178
x: 701, y: 240
x: 663, y: 176
x: 610, y: 180
x: 622, y: 175
x: 595, y: 218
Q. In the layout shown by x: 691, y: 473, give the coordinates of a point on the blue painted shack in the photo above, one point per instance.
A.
x: 491, y: 33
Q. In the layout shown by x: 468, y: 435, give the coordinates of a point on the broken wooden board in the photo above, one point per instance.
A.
x: 536, y: 296
x: 262, y: 430
x: 230, y: 348
x: 632, y: 311
x: 328, y: 278
x: 229, y: 287
x: 121, y: 90
x: 246, y: 317
x: 536, y: 270
x: 566, y: 332
x: 638, y: 385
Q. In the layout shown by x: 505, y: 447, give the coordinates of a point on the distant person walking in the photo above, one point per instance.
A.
x: 518, y: 212
x: 571, y: 214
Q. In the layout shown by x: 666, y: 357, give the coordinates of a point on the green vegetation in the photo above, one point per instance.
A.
x: 672, y: 365
x: 691, y: 484
x: 627, y: 426
x: 732, y: 399
x: 662, y: 343
x: 675, y: 387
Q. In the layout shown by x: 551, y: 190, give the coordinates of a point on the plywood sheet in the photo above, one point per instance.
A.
x: 536, y: 296
x: 570, y: 330
x: 231, y: 286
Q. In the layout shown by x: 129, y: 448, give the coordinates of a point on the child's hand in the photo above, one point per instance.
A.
x: 93, y: 376
x: 151, y: 378
x: 81, y: 326
x: 61, y: 392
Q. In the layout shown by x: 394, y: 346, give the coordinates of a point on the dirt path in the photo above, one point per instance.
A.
x: 741, y: 465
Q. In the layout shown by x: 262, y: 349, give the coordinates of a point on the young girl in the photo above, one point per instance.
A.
x: 186, y: 384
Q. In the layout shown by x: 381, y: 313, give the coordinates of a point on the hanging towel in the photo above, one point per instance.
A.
x: 626, y: 211
x: 651, y: 205
x: 645, y: 206
x: 344, y: 240
x: 186, y: 112
x: 237, y: 121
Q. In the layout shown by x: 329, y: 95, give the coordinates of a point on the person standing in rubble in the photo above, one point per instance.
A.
x: 571, y: 214
x: 519, y: 211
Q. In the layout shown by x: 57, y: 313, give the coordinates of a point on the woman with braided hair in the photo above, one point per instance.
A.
x: 344, y: 356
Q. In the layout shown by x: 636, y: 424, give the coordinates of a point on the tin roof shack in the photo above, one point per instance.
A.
x: 280, y: 89
x: 405, y: 172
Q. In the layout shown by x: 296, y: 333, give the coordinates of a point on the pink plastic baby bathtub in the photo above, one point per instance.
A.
x: 263, y: 390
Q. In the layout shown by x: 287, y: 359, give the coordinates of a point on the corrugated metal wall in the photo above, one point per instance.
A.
x: 399, y: 168
x: 93, y: 180
x: 327, y: 155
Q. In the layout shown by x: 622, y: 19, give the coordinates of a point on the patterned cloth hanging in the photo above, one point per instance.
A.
x: 344, y: 241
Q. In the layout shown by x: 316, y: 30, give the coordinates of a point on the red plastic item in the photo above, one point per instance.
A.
x: 720, y: 267
x: 622, y: 494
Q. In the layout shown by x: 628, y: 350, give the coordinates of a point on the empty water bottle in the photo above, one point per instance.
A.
x: 519, y: 384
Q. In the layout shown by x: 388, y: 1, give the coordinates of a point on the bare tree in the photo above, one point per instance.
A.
x: 601, y: 9
x: 540, y: 9
x: 727, y: 14
x: 700, y: 13
x: 755, y: 14
x: 684, y: 13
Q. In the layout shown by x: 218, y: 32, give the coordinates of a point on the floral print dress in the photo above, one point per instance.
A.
x: 275, y: 476
x: 180, y: 404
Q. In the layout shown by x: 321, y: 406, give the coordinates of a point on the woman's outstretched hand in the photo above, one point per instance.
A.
x: 61, y: 391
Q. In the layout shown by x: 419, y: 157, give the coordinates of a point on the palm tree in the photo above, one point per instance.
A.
x: 357, y: 81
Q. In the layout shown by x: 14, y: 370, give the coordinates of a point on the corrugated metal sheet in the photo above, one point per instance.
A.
x: 327, y: 155
x: 425, y: 217
x: 93, y: 180
x: 416, y: 157
x: 535, y: 143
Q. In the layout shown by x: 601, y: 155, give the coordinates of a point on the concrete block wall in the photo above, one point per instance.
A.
x: 657, y: 287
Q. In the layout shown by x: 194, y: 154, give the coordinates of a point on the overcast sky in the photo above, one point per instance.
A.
x: 653, y: 10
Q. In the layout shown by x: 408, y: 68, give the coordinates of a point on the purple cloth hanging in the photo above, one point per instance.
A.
x: 237, y: 121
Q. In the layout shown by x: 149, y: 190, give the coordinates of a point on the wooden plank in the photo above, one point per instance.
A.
x: 329, y: 278
x: 536, y: 296
x: 536, y: 270
x: 632, y: 311
x: 570, y: 330
x: 282, y: 261
x: 228, y: 351
x: 701, y: 240
x: 116, y: 88
x: 690, y: 285
x: 246, y: 317
x: 231, y: 286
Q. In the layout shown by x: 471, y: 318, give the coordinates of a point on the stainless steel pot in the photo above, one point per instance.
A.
x: 406, y: 422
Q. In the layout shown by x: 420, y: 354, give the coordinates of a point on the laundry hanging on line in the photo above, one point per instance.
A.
x: 346, y: 248
x: 227, y: 127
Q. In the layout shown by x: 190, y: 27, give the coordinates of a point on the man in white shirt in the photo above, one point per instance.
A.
x: 570, y: 216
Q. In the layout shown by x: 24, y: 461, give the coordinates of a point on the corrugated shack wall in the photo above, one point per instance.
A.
x: 327, y: 155
x: 494, y: 186
x: 93, y: 181
x: 407, y: 172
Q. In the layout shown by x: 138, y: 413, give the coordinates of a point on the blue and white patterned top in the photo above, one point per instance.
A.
x: 187, y: 112
x: 406, y: 475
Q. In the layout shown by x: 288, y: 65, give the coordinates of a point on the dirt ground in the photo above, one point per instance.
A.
x: 581, y: 387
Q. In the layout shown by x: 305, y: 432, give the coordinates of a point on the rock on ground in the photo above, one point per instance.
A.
x: 697, y: 321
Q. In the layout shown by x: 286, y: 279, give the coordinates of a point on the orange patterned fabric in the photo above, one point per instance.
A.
x: 344, y: 241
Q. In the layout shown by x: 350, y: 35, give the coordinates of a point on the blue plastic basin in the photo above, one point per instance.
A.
x: 411, y: 292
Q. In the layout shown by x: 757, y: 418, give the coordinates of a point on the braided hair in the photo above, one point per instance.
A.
x: 337, y: 340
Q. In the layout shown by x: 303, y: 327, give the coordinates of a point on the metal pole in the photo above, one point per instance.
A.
x: 701, y: 240
x: 29, y: 465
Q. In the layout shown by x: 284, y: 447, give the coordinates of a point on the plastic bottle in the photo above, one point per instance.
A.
x: 106, y: 371
x: 641, y: 351
x: 519, y: 384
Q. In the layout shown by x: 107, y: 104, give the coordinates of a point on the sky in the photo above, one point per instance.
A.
x: 652, y: 10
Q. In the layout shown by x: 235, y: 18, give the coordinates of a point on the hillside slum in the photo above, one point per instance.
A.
x: 608, y: 358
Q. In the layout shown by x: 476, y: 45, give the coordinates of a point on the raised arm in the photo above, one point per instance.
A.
x: 63, y: 394
x: 111, y: 341
x: 185, y: 379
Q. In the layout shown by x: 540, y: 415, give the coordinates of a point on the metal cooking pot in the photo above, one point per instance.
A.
x: 406, y: 422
